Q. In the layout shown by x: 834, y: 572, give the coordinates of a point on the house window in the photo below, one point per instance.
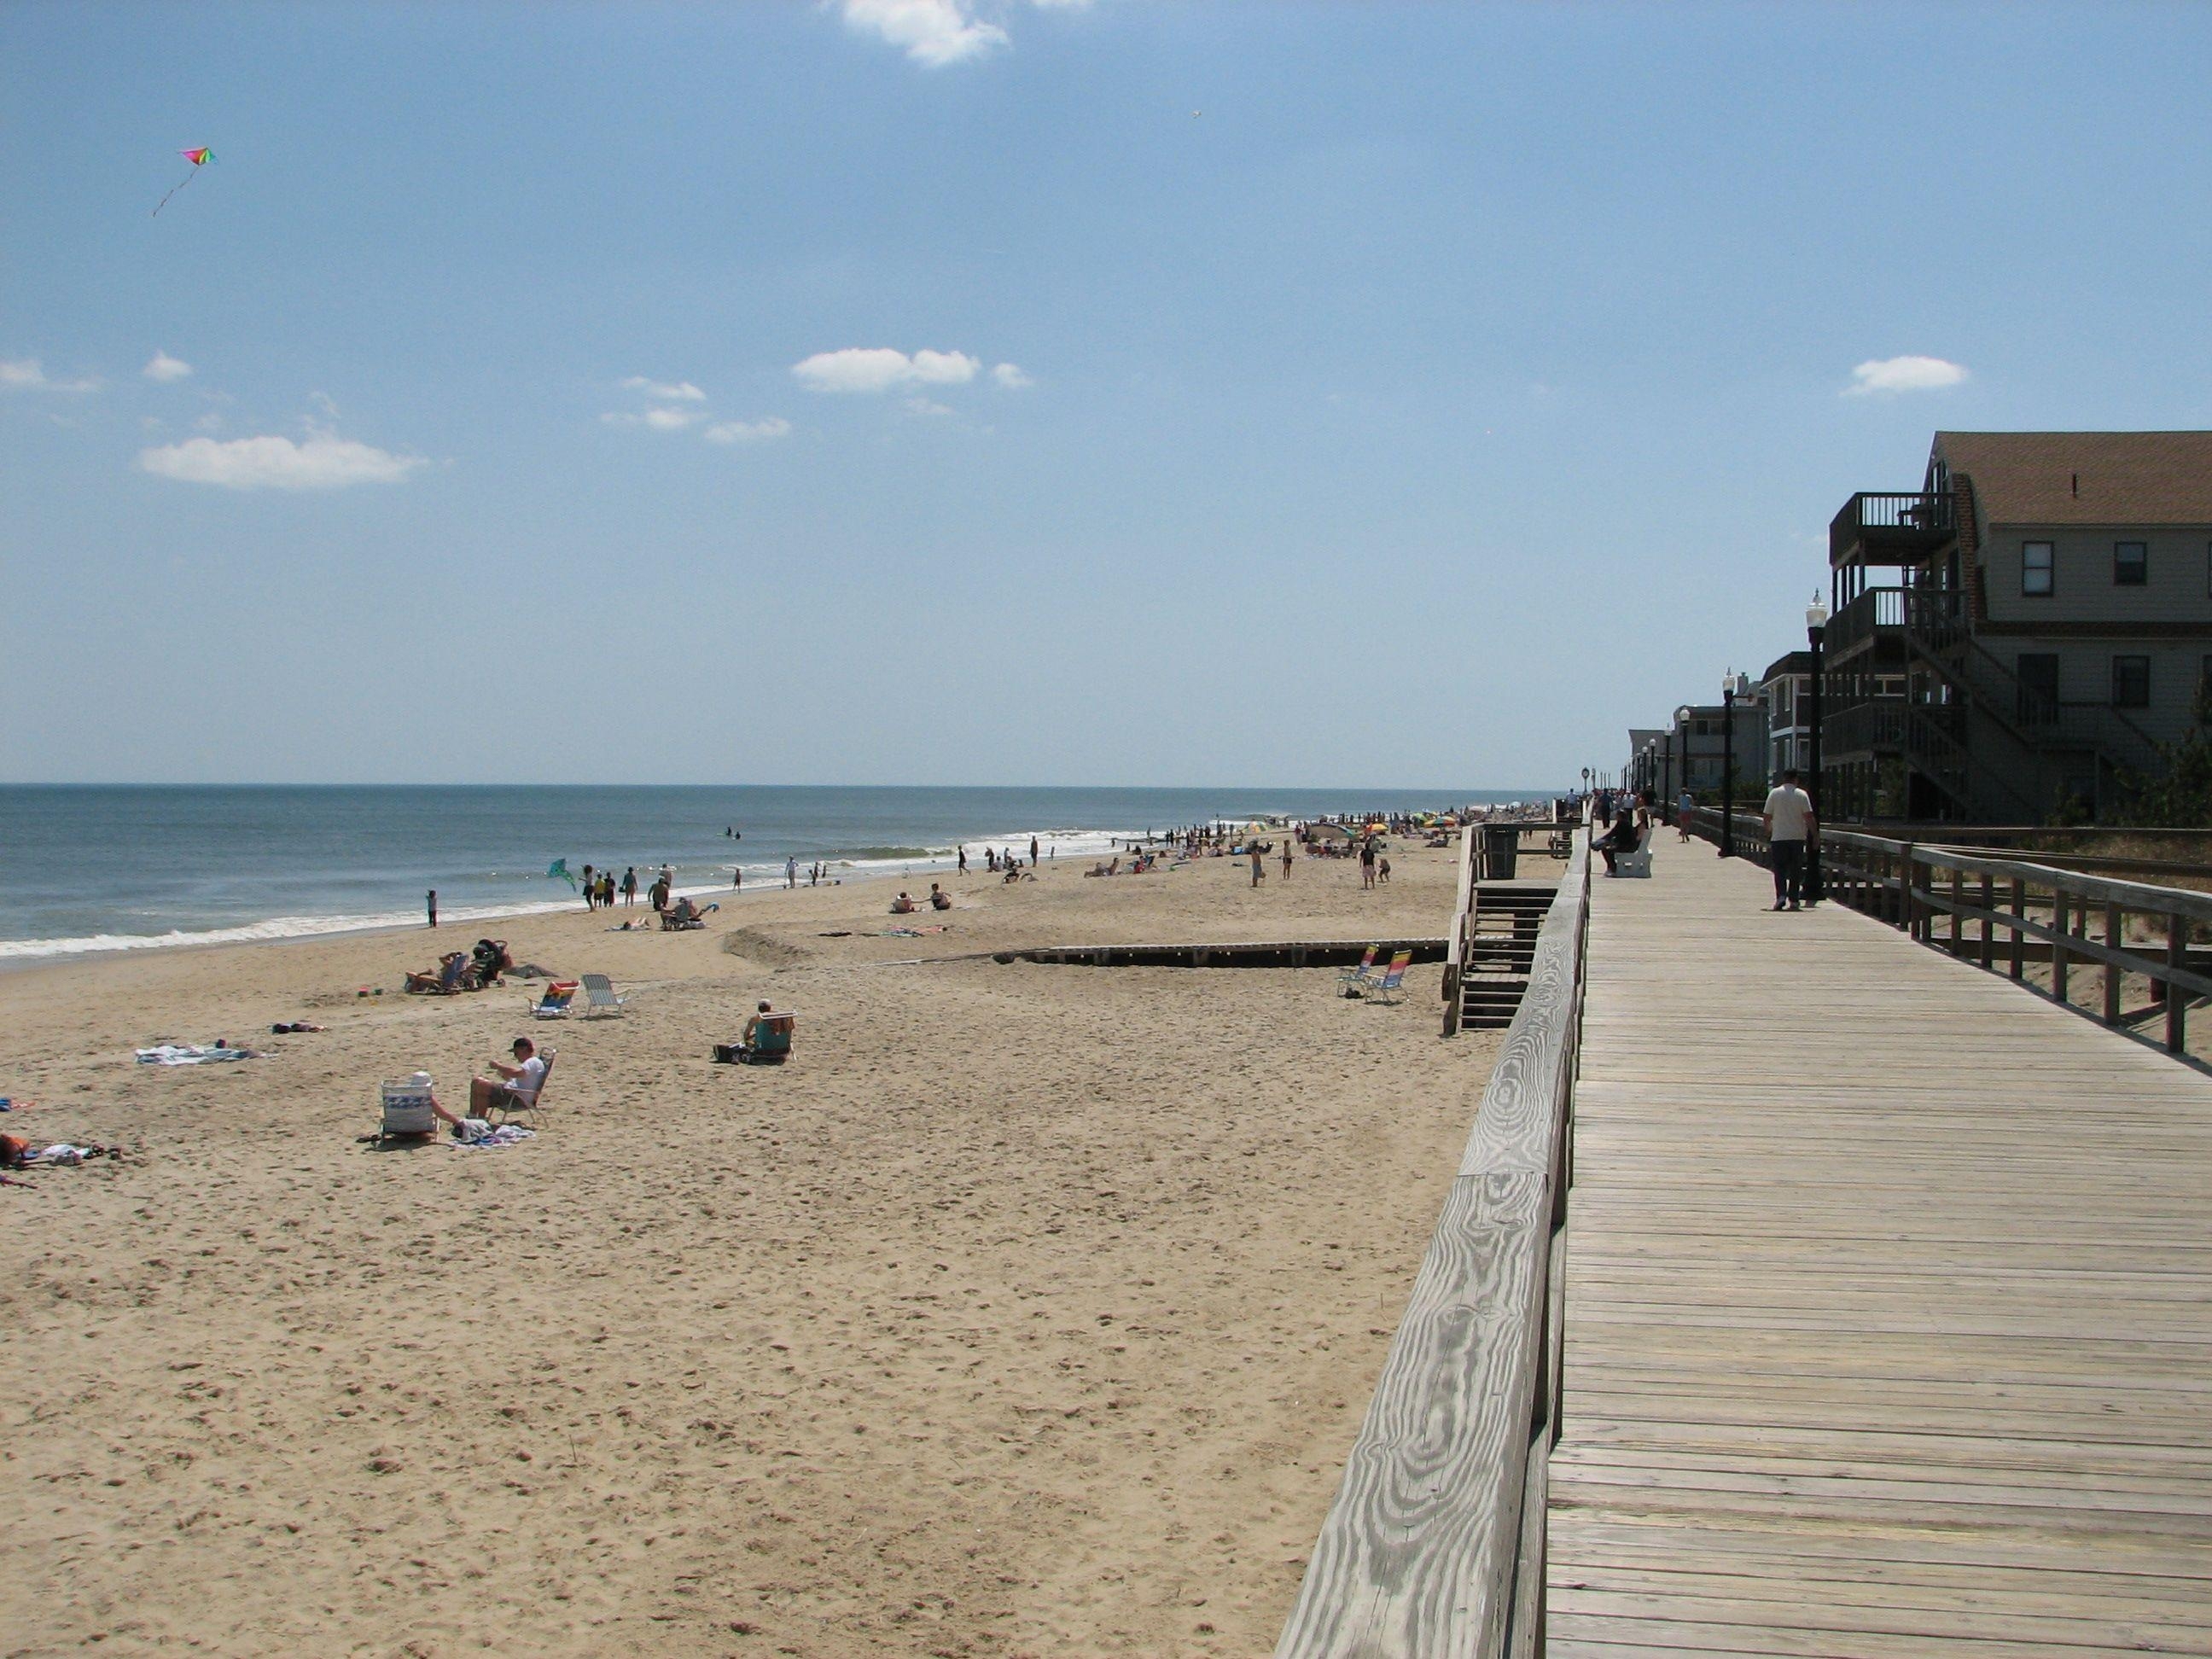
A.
x: 2131, y: 682
x: 2035, y: 571
x: 2130, y: 564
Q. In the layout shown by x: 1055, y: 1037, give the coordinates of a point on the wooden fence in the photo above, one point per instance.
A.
x: 2003, y: 913
x: 1435, y: 1544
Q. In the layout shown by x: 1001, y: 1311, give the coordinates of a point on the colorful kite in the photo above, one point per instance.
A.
x: 559, y: 871
x: 199, y: 158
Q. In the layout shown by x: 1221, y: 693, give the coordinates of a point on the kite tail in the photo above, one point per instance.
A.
x: 173, y: 189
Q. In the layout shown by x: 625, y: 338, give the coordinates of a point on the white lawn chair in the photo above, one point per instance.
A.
x: 600, y: 992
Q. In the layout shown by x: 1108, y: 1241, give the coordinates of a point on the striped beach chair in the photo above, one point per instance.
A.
x: 1350, y: 980
x: 1392, y: 988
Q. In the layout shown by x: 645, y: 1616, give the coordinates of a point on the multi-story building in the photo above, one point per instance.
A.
x: 1786, y: 690
x: 1697, y: 745
x: 2017, y: 637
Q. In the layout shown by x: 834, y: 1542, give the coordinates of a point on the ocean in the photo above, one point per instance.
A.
x: 117, y: 867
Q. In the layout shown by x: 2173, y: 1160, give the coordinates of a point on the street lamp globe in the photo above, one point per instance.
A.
x: 1816, y: 614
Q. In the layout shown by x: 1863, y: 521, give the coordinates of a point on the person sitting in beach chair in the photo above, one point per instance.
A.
x: 684, y: 915
x: 514, y: 1090
x: 452, y: 977
x: 490, y: 960
x: 766, y: 1040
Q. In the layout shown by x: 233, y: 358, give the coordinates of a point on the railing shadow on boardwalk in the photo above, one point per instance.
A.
x: 1435, y: 1543
x: 2003, y: 915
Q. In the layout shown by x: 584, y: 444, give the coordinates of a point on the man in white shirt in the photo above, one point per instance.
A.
x: 1790, y: 825
x: 515, y: 1088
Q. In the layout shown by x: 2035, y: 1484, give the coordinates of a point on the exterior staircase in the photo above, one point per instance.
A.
x: 1498, y: 945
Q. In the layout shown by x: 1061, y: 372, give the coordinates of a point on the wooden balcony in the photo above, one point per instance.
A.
x: 1889, y: 528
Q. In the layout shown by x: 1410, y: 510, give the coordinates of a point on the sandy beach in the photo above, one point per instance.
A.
x: 1029, y: 1311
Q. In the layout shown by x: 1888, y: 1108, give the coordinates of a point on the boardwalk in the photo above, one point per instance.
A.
x: 1889, y: 1305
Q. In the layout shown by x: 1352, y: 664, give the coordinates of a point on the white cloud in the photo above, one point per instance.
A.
x: 879, y: 368
x: 324, y: 401
x: 924, y: 406
x: 1007, y: 375
x: 675, y: 392
x: 323, y: 462
x: 24, y: 374
x: 660, y: 420
x: 1903, y: 374
x: 933, y: 32
x: 748, y: 431
x: 162, y: 367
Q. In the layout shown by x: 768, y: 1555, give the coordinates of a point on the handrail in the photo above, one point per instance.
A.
x: 1462, y: 921
x: 1435, y: 1544
x: 1881, y: 877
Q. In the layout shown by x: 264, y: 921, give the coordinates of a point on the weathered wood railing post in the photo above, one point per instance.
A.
x: 1434, y: 1545
x: 2019, y: 934
x: 2177, y: 1005
x: 2115, y: 931
x: 2060, y: 931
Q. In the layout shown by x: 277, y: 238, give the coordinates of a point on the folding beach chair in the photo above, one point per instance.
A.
x: 1350, y: 981
x: 772, y: 1039
x: 1392, y: 988
x: 599, y: 994
x: 560, y: 997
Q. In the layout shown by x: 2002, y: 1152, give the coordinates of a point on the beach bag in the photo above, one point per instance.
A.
x: 729, y: 1053
x: 407, y: 1107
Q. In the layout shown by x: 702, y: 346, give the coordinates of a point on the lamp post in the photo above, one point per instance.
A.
x: 1682, y: 725
x: 1728, y: 764
x: 1816, y: 628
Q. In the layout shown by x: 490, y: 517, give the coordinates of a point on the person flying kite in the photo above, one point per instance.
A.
x: 199, y: 158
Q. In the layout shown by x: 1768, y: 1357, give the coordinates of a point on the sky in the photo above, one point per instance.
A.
x: 996, y: 392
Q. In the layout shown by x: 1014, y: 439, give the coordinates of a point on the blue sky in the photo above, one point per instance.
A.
x: 1392, y: 394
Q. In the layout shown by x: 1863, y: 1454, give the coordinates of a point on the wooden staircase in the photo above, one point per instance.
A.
x: 1500, y: 944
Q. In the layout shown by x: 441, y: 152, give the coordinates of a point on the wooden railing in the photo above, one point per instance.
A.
x: 1874, y: 519
x: 1470, y: 841
x: 2004, y: 914
x: 1435, y: 1544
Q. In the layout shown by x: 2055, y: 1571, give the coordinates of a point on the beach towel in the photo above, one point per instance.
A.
x: 191, y: 1054
x: 62, y: 1154
x: 506, y: 1135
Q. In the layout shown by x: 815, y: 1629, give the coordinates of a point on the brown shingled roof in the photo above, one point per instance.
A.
x: 2085, y: 477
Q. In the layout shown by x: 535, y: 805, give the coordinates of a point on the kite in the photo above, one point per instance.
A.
x: 199, y: 158
x: 559, y: 871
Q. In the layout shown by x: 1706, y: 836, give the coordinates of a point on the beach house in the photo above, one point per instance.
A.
x: 2018, y: 637
x: 1786, y: 690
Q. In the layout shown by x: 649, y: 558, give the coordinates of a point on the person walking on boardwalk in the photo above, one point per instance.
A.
x: 1684, y: 804
x: 1788, y: 816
